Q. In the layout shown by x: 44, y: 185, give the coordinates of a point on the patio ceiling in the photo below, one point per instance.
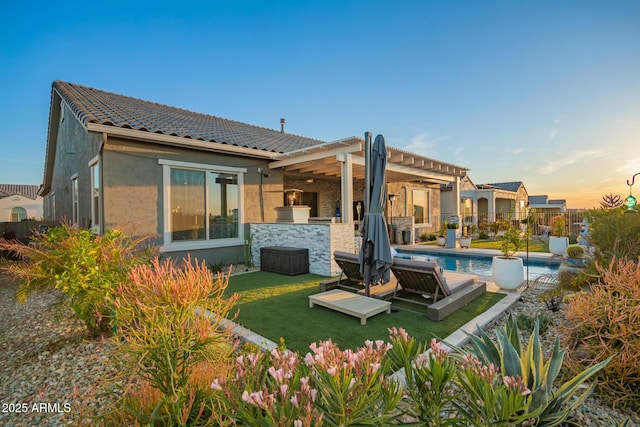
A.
x: 325, y: 160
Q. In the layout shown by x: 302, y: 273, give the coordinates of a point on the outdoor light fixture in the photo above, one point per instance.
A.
x: 630, y: 201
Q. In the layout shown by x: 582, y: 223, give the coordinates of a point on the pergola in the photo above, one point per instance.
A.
x: 344, y: 160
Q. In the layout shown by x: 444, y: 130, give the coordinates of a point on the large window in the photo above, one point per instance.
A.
x: 203, y: 204
x: 18, y: 214
x: 421, y: 207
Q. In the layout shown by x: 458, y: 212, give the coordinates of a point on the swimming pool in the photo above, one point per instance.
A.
x: 478, y: 265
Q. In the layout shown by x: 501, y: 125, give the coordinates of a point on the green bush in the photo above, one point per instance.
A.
x: 511, y: 242
x: 614, y: 233
x: 85, y: 267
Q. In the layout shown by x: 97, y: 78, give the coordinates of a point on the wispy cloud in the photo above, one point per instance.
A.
x: 517, y: 150
x: 630, y: 166
x: 569, y: 159
x: 424, y: 143
x: 630, y: 122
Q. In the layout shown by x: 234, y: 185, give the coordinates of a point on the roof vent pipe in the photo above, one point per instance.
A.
x: 282, y: 122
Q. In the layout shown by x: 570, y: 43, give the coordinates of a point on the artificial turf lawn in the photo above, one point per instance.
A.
x: 274, y: 306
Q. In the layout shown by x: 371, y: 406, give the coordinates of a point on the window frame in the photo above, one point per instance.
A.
x: 13, y: 212
x: 96, y: 209
x: 427, y: 199
x: 75, y: 202
x: 168, y: 244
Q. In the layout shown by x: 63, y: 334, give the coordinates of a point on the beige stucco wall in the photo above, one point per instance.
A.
x: 32, y: 207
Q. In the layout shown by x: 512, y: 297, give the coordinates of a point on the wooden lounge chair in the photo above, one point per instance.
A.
x: 449, y: 290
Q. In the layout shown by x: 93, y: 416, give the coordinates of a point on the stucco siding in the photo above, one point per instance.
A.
x: 75, y: 147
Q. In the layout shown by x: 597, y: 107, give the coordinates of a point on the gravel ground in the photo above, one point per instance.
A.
x: 51, y: 376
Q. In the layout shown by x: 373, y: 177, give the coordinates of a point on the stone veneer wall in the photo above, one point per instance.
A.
x: 321, y: 240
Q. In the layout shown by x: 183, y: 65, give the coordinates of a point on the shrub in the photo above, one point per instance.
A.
x: 332, y: 387
x: 604, y: 322
x: 557, y: 225
x: 483, y: 235
x: 170, y: 328
x: 511, y: 242
x: 85, y: 267
x: 614, y: 234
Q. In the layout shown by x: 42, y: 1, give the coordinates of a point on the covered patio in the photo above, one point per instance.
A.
x: 335, y: 173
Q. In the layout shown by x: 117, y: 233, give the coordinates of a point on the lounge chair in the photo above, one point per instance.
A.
x: 351, y: 278
x: 350, y: 266
x: 449, y: 290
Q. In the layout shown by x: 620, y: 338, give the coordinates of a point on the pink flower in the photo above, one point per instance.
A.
x: 294, y: 401
x: 216, y: 385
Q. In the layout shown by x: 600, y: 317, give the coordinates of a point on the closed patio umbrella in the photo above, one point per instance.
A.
x: 375, y: 255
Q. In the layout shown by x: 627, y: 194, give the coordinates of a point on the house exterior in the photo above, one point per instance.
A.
x: 19, y: 203
x: 197, y: 181
x: 542, y: 204
x: 483, y: 203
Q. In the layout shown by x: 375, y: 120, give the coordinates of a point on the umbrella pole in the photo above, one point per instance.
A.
x: 367, y: 172
x: 367, y: 199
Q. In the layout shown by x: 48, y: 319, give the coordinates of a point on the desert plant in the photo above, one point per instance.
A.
x: 169, y: 326
x: 85, y: 267
x: 604, y: 323
x: 557, y: 225
x: 547, y: 405
x: 511, y: 242
x: 527, y: 323
x: 575, y: 251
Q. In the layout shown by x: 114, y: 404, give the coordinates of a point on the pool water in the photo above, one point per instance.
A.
x: 480, y: 266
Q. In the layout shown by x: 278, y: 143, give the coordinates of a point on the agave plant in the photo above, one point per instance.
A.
x: 547, y: 405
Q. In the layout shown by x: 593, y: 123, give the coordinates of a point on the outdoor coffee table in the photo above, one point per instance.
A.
x: 350, y: 303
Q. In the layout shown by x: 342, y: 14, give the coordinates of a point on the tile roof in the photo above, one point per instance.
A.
x: 30, y: 191
x: 96, y: 106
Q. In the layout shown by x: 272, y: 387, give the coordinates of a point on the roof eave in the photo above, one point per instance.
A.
x: 157, y: 138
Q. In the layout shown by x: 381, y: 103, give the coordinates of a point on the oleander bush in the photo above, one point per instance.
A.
x: 603, y: 323
x: 171, y: 333
x: 84, y: 266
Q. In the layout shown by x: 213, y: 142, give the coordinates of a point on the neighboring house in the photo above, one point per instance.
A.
x: 542, y: 204
x: 488, y: 202
x: 19, y: 202
x: 198, y: 181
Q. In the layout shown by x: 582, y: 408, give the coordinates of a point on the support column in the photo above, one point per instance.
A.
x: 346, y: 186
x: 492, y: 207
x: 456, y: 205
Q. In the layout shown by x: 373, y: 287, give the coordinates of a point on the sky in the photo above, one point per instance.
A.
x: 543, y: 92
